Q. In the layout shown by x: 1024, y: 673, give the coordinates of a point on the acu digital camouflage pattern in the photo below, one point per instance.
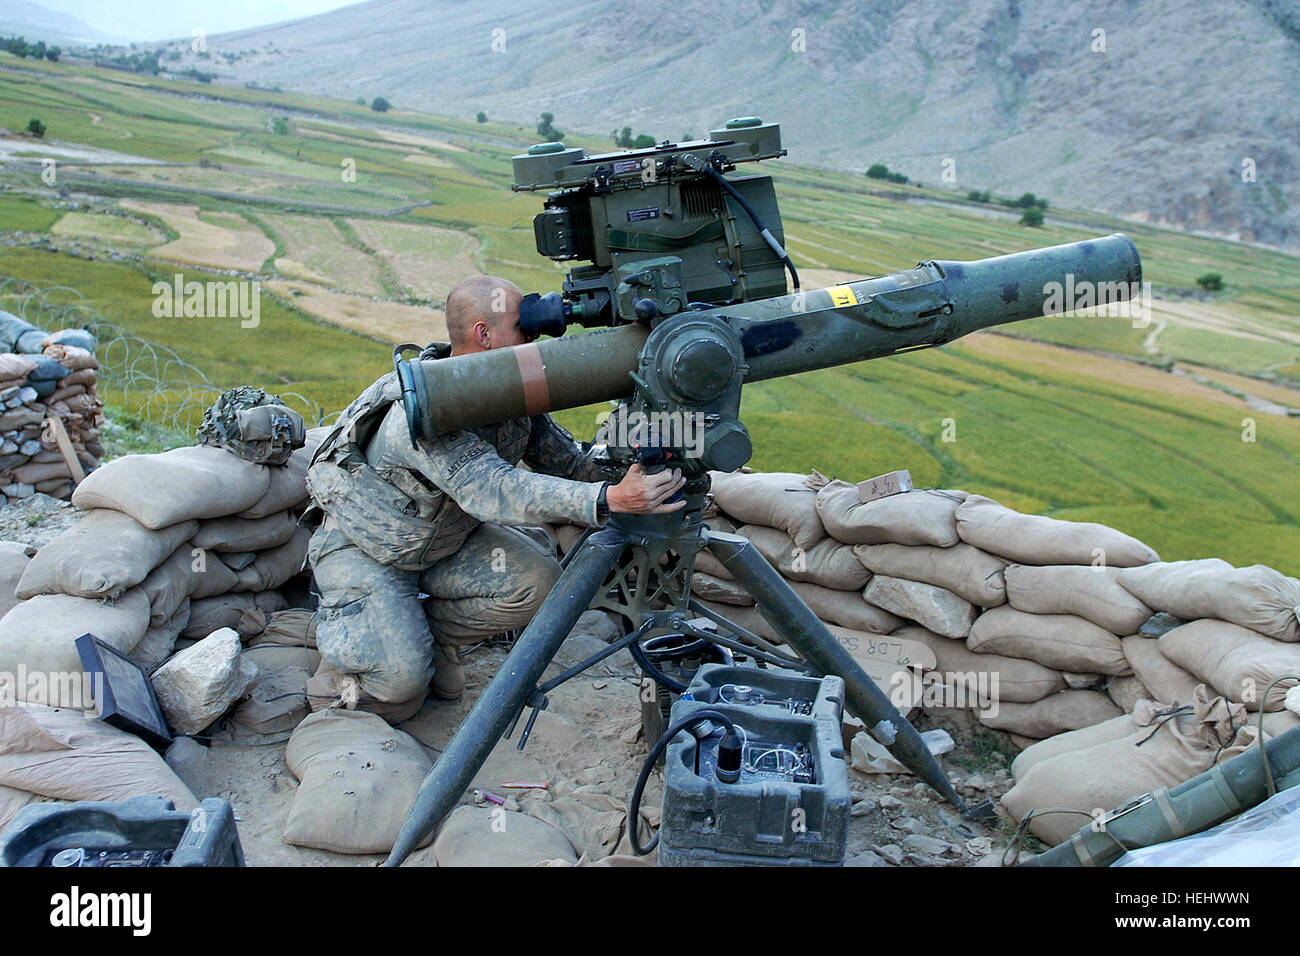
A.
x: 403, y: 520
x: 257, y: 427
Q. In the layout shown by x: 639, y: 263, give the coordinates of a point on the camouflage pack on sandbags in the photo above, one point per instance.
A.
x: 257, y: 427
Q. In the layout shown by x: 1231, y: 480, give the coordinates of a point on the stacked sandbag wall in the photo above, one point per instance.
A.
x: 1070, y: 627
x: 46, y: 376
x: 172, y: 547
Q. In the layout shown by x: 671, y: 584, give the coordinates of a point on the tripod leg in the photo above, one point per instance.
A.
x: 810, y: 637
x: 508, y: 690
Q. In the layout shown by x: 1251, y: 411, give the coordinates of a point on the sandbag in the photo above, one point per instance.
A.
x: 1126, y: 692
x: 918, y: 517
x: 1167, y: 682
x: 934, y: 608
x: 1011, y: 679
x: 704, y: 561
x: 14, y: 558
x: 827, y: 562
x: 720, y: 590
x: 1063, y: 711
x: 101, y: 556
x: 357, y: 780
x: 781, y: 500
x: 39, y: 635
x: 14, y: 366
x: 1091, y: 592
x: 159, y: 642
x: 473, y: 836
x: 275, y: 566
x: 246, y: 613
x: 1061, y: 641
x: 211, y: 576
x: 287, y: 484
x: 962, y: 569
x: 71, y: 357
x: 278, y: 702
x: 1116, y: 728
x: 178, y: 485
x: 295, y: 627
x: 845, y: 608
x: 1109, y: 774
x: 1235, y: 661
x: 1037, y: 539
x: 245, y: 534
x: 1256, y: 597
x: 168, y: 586
x: 62, y: 755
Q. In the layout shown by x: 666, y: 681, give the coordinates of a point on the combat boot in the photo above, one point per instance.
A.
x: 448, y: 672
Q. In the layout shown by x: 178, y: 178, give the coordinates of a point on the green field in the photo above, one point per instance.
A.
x: 1069, y: 415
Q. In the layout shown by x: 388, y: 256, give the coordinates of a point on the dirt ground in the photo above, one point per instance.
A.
x: 588, y: 747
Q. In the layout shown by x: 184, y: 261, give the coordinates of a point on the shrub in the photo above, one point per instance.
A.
x: 35, y: 127
x: 1211, y: 282
x: 1032, y: 216
x: 481, y: 117
x: 380, y: 105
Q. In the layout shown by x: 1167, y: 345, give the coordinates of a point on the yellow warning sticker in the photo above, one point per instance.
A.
x: 842, y: 295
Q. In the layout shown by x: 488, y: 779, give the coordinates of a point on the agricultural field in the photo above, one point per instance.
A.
x: 355, y: 224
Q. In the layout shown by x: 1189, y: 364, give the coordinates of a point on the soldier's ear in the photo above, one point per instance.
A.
x: 482, y: 334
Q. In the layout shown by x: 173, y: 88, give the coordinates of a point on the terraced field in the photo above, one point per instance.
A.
x: 355, y: 224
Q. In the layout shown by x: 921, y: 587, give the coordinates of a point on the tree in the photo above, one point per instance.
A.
x: 482, y: 117
x: 380, y: 105
x: 35, y: 127
x: 53, y: 53
x: 1211, y: 282
x: 37, y: 49
x: 1032, y: 216
x: 1026, y: 200
x: 878, y: 171
x: 547, y: 131
x: 361, y: 101
x: 976, y: 196
x: 643, y: 141
x: 280, y: 126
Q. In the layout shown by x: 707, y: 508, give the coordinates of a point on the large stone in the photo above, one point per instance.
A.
x: 934, y: 608
x: 479, y: 836
x: 201, y: 683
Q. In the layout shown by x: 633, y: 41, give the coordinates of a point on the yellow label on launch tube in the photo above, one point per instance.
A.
x: 842, y: 295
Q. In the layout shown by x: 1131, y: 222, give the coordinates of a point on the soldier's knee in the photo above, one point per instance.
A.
x: 533, y: 583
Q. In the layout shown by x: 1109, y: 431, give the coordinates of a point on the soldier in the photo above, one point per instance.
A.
x: 400, y: 520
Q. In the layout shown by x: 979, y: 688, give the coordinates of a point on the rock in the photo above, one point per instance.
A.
x: 891, y: 852
x: 188, y: 758
x: 862, y: 808
x: 475, y: 836
x: 865, y: 858
x: 920, y: 843
x: 200, y: 683
x: 889, y: 802
x: 934, y: 608
x: 596, y: 624
x: 909, y: 825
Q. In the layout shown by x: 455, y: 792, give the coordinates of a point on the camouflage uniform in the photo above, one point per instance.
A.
x: 401, y: 520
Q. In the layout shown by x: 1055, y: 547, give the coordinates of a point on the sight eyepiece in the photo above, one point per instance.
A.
x: 543, y: 315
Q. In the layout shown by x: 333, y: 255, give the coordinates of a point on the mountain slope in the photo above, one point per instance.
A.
x: 1157, y: 126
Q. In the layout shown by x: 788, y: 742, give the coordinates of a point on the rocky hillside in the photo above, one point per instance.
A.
x: 1145, y: 108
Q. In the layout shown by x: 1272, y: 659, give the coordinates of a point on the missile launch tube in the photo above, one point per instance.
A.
x: 935, y: 303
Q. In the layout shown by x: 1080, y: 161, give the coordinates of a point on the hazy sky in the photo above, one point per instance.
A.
x: 163, y: 19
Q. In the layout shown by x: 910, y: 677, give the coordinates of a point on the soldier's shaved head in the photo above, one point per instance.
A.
x: 490, y: 300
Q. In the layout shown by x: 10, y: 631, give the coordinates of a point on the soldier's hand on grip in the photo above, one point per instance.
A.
x: 642, y: 494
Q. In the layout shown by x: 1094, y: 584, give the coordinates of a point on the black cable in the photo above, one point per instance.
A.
x: 634, y: 806
x: 763, y: 231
